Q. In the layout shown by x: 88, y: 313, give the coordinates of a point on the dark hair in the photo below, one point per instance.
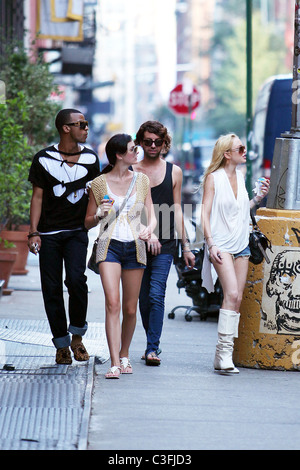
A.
x: 63, y: 116
x: 154, y: 127
x: 116, y: 144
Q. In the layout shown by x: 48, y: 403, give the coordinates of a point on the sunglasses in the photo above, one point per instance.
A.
x: 156, y: 142
x: 134, y: 149
x: 241, y: 149
x: 81, y: 124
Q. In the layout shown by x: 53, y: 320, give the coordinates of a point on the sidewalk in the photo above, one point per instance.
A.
x: 181, y: 405
x: 43, y: 406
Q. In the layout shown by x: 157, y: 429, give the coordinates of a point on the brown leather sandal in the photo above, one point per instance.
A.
x: 80, y: 353
x: 152, y: 359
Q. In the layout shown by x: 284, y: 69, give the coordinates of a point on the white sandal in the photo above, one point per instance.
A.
x: 113, y: 373
x: 126, y: 367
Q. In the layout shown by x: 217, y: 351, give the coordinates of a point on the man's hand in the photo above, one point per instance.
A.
x: 34, y: 244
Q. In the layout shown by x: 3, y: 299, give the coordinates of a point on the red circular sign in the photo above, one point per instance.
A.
x: 181, y: 103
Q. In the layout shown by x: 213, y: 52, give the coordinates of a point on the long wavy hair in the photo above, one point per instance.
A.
x: 218, y: 160
x: 116, y: 144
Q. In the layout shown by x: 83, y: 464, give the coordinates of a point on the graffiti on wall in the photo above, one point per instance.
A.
x: 281, y: 305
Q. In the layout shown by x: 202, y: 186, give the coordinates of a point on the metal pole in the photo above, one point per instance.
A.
x: 285, y: 174
x: 249, y: 92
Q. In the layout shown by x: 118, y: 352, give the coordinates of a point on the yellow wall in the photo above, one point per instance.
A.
x: 269, y: 331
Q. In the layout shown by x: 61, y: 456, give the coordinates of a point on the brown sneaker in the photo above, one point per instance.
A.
x: 63, y: 356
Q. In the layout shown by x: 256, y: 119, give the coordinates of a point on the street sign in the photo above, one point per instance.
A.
x: 181, y: 103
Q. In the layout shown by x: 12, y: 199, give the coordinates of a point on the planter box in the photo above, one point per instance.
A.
x: 1, y: 287
x: 7, y: 260
x: 19, y: 239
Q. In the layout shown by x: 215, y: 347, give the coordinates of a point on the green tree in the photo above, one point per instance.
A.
x: 27, y: 125
x: 15, y: 160
x: 228, y: 111
x: 27, y: 72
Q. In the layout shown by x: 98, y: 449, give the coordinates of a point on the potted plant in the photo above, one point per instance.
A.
x: 8, y: 256
x: 27, y: 125
x: 15, y: 189
x: 26, y: 71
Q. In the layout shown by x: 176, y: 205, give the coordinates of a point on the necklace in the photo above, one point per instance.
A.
x: 69, y: 177
x: 69, y: 154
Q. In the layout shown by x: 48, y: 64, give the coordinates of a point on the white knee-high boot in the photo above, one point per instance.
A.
x: 227, y: 330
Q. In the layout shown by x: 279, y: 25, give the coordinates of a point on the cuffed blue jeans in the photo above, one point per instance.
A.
x: 152, y: 298
x: 66, y: 249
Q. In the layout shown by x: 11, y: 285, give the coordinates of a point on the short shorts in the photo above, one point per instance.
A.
x: 123, y: 253
x: 244, y: 253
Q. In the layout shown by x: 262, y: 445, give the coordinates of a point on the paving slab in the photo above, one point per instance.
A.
x: 43, y: 405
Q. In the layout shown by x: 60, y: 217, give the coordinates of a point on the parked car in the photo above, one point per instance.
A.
x: 272, y: 117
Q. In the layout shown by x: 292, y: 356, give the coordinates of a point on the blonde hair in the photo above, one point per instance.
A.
x: 218, y: 160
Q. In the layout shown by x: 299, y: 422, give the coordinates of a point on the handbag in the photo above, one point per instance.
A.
x: 92, y: 265
x: 258, y: 244
x: 92, y: 261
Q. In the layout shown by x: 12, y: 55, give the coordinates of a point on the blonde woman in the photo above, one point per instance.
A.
x: 225, y: 222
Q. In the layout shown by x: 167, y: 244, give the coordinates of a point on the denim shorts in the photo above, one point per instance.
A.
x: 123, y: 253
x: 244, y: 252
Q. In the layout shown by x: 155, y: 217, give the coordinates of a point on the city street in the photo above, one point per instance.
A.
x: 181, y: 405
x: 74, y: 77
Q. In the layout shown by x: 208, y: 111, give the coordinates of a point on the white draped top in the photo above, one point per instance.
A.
x: 229, y: 221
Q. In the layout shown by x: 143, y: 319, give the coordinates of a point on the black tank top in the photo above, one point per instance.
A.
x: 162, y: 197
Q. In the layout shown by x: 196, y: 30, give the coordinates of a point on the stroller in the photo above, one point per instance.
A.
x: 190, y: 279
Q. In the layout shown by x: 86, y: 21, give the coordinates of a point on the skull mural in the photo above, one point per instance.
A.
x: 284, y: 282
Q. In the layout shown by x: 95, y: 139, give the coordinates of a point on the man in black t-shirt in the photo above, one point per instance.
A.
x: 59, y: 175
x: 165, y: 181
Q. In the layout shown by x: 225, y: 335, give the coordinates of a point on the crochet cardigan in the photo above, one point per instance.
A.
x: 107, y: 224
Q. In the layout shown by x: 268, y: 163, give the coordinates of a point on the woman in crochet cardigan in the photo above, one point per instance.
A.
x: 121, y: 251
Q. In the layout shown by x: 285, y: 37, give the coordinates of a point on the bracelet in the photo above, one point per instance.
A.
x: 33, y: 234
x: 97, y: 218
x: 210, y: 247
x: 256, y: 202
x: 186, y: 251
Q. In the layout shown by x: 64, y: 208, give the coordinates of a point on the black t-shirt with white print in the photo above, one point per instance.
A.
x: 64, y: 187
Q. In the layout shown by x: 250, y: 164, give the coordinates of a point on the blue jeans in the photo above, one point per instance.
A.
x: 152, y: 297
x: 68, y: 248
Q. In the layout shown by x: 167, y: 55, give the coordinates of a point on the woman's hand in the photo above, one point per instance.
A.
x: 104, y: 208
x: 215, y: 254
x: 264, y: 190
x: 265, y: 187
x: 145, y: 233
x: 189, y: 258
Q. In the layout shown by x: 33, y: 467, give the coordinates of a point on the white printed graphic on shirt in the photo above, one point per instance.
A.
x: 66, y: 174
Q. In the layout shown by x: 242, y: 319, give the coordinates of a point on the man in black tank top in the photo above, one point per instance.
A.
x: 165, y: 182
